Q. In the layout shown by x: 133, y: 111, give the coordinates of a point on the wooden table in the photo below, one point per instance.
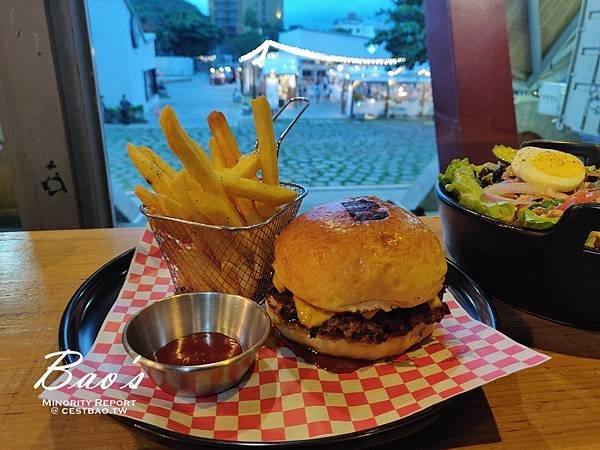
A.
x: 555, y: 405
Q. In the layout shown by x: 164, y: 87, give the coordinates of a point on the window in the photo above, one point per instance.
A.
x: 365, y: 122
x: 150, y: 83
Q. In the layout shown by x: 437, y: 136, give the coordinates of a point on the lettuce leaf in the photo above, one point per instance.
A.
x: 459, y: 179
x: 532, y: 220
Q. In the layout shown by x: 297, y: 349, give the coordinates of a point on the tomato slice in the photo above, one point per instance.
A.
x: 582, y: 196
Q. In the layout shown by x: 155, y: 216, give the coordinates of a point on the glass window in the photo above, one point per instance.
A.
x: 369, y: 129
x: 545, y: 55
x: 150, y: 84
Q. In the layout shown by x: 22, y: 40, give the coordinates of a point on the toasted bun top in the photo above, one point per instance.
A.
x: 334, y: 259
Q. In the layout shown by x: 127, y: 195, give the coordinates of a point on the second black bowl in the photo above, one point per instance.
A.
x: 548, y: 273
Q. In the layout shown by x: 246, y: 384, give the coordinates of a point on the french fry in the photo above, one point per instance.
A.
x: 182, y: 184
x: 216, y: 208
x: 222, y: 189
x: 216, y: 154
x: 154, y: 176
x: 267, y: 147
x: 255, y: 190
x: 246, y: 282
x: 212, y: 275
x: 212, y: 251
x: 265, y: 211
x: 224, y: 136
x: 247, y: 165
x: 170, y: 207
x: 184, y: 181
x: 161, y: 163
x: 189, y: 182
x: 247, y: 210
x: 224, y: 281
x: 195, y: 161
x: 148, y: 199
x: 180, y: 188
x: 189, y: 152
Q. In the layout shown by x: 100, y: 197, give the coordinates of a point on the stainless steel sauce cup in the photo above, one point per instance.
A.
x: 181, y: 315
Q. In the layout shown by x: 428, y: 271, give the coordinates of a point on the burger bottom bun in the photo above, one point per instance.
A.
x: 350, y: 349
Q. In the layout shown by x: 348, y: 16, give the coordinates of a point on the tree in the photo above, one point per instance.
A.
x: 406, y: 36
x: 181, y: 29
x: 244, y: 42
x: 191, y: 34
x: 254, y: 35
x: 251, y: 20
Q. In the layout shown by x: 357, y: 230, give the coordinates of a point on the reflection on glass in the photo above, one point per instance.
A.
x: 554, y: 56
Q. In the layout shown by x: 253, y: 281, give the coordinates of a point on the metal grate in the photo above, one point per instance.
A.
x: 235, y: 260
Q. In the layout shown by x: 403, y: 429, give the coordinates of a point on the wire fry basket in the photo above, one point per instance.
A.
x: 235, y: 260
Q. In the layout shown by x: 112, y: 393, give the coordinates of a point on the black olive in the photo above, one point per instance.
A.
x: 498, y: 172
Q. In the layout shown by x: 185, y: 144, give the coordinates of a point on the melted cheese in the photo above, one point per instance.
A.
x: 369, y: 314
x: 309, y: 316
x: 435, y: 303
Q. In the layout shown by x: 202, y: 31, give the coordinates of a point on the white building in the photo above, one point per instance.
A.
x: 332, y: 43
x: 125, y: 56
x: 337, y: 68
x: 358, y: 26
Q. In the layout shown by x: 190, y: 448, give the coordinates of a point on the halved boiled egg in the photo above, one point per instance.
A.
x: 551, y: 168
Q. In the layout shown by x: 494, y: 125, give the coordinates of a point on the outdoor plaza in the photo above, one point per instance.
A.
x: 325, y: 151
x: 369, y: 82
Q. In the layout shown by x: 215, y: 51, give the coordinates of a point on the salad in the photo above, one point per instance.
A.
x: 530, y: 187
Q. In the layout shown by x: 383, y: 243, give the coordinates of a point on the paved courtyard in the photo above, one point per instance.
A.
x: 333, y: 155
x: 327, y: 152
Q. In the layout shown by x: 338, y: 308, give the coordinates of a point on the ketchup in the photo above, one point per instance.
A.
x: 198, y: 348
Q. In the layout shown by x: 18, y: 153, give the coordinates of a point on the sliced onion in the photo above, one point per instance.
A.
x: 555, y: 194
x: 520, y: 187
x: 497, y: 198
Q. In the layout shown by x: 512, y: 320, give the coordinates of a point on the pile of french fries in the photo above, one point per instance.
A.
x: 221, y: 190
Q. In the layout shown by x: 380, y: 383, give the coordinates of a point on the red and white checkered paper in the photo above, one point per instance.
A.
x: 286, y: 398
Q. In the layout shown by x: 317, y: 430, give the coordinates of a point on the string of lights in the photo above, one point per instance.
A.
x: 396, y: 71
x: 206, y: 58
x: 263, y: 48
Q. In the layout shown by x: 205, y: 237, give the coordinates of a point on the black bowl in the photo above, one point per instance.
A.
x: 548, y: 273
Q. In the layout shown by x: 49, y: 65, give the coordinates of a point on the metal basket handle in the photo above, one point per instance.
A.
x: 293, y: 121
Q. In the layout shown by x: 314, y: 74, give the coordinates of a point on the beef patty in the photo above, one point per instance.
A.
x: 354, y: 327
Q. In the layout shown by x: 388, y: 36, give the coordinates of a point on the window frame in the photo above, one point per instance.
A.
x: 51, y: 113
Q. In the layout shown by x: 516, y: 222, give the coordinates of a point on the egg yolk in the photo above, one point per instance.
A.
x: 557, y: 165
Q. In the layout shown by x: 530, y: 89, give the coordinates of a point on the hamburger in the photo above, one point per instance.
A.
x: 359, y: 278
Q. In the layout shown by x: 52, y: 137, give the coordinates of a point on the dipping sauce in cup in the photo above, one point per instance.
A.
x: 197, y: 344
x: 198, y: 348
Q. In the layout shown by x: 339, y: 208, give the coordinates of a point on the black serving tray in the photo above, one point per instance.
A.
x: 91, y: 303
x: 548, y: 273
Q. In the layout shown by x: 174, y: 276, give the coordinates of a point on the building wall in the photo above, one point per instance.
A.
x: 119, y: 66
x: 224, y: 13
x: 358, y: 26
x: 230, y: 14
x: 267, y: 11
x: 174, y: 66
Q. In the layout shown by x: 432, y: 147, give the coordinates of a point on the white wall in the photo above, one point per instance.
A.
x: 174, y: 66
x: 119, y: 66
